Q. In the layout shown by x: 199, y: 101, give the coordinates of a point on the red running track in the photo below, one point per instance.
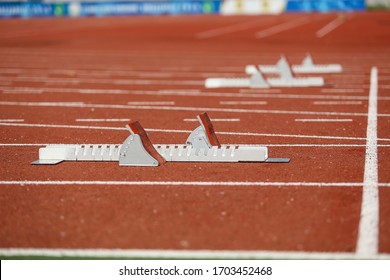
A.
x: 312, y: 204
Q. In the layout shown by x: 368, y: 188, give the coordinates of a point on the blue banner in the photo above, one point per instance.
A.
x: 172, y: 7
x: 325, y: 5
x: 31, y: 9
x: 162, y: 7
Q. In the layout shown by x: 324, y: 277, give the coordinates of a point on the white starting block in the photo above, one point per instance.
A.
x: 201, y: 146
x: 286, y: 79
x: 255, y: 81
x: 306, y: 67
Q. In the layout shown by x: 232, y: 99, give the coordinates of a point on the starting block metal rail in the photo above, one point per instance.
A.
x: 255, y: 81
x: 201, y: 146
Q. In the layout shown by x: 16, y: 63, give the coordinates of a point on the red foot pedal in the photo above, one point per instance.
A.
x: 138, y: 129
x: 208, y: 127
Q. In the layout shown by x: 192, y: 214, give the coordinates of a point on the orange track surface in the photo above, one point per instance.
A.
x: 113, y: 61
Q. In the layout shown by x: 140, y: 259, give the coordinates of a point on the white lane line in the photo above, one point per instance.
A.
x: 362, y: 86
x: 66, y: 81
x: 320, y: 145
x: 11, y: 120
x: 337, y: 102
x: 13, y: 54
x: 249, y: 145
x: 282, y: 27
x: 118, y: 73
x: 214, y: 120
x: 151, y: 103
x: 323, y: 120
x: 186, y: 183
x: 329, y: 27
x: 189, y: 131
x: 178, y: 254
x: 62, y: 126
x: 231, y: 28
x: 22, y: 91
x: 342, y: 90
x: 179, y: 90
x: 367, y: 243
x: 22, y: 145
x: 189, y: 183
x: 177, y: 108
x: 196, y: 93
x: 261, y: 90
x: 243, y: 102
x: 187, y: 92
x: 157, y: 82
x: 350, y: 86
x: 102, y: 120
x: 136, y: 59
x: 234, y: 110
x: 45, y: 104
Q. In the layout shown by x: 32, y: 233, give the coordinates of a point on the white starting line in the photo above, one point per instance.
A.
x: 102, y: 120
x: 72, y: 81
x: 323, y: 120
x: 151, y: 103
x: 255, y: 134
x: 260, y: 144
x: 189, y: 183
x: 214, y: 120
x: 261, y: 90
x: 342, y: 90
x: 11, y: 120
x: 185, y: 92
x: 178, y: 108
x: 180, y: 254
x: 337, y: 102
x: 243, y: 102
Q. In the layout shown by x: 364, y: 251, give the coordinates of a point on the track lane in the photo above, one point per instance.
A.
x: 178, y: 55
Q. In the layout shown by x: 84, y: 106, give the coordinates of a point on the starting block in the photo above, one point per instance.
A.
x: 202, y: 145
x: 286, y: 79
x: 255, y: 81
x: 306, y: 67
